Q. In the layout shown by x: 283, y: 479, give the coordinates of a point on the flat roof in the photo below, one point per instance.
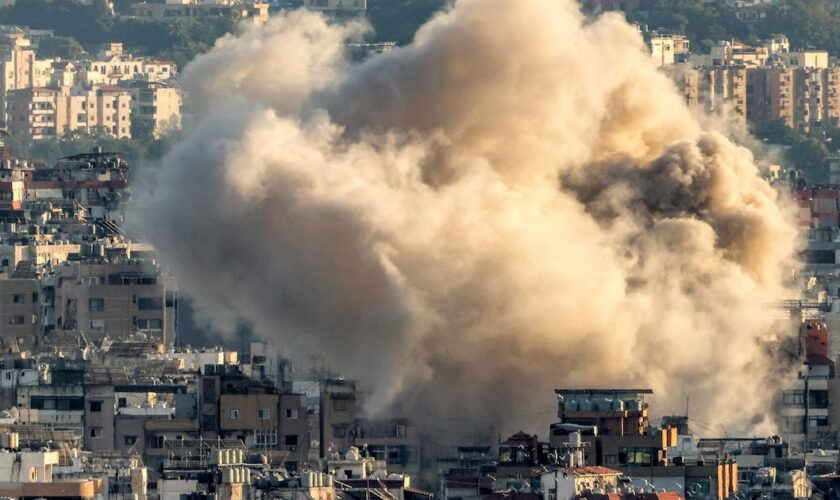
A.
x: 602, y: 391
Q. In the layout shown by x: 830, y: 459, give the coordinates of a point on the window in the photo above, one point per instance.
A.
x: 340, y: 431
x: 341, y: 404
x: 208, y: 423
x: 794, y: 398
x: 16, y: 320
x: 96, y: 432
x: 149, y: 303
x: 818, y: 399
x: 129, y: 440
x: 96, y: 406
x: 234, y: 414
x: 817, y: 422
x: 158, y: 442
x: 149, y: 324
x: 291, y: 466
x: 264, y: 414
x: 394, y: 456
x: 265, y: 437
x: 291, y: 413
x: 290, y: 440
x: 635, y: 456
x: 96, y: 304
x: 122, y: 402
x: 17, y: 298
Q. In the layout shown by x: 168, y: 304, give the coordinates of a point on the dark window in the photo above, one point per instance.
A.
x: 95, y: 432
x: 339, y: 431
x: 209, y: 390
x: 17, y: 298
x: 818, y: 399
x: 817, y: 422
x: 96, y: 304
x: 208, y: 423
x: 122, y: 403
x: 129, y: 440
x: 149, y: 303
x: 96, y: 406
x: 635, y: 456
x: 291, y: 440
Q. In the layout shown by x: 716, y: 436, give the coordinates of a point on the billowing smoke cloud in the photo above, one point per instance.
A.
x: 516, y: 201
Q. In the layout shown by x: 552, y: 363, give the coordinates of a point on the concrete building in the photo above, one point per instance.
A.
x: 113, y: 300
x: 667, y: 49
x: 20, y: 322
x: 113, y: 66
x: 337, y: 415
x: 159, y: 104
x: 336, y: 5
x: 41, y: 112
x: 252, y: 11
x: 567, y: 483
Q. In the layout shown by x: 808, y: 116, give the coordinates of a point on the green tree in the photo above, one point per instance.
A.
x: 809, y: 154
x: 142, y: 129
x: 59, y: 46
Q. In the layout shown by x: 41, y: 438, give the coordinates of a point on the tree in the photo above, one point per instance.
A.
x: 398, y: 20
x: 809, y: 154
x: 142, y: 129
x: 776, y: 132
x: 60, y: 46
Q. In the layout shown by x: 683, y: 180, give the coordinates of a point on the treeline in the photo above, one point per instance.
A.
x: 84, y: 25
x: 806, y: 150
x: 141, y: 149
x: 807, y: 23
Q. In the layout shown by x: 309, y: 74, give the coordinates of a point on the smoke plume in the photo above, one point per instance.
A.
x: 516, y: 201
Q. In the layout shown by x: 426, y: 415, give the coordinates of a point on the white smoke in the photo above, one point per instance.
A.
x: 516, y: 201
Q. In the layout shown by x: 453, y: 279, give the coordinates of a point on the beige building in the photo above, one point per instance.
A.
x: 113, y: 67
x: 808, y: 59
x: 253, y: 11
x: 160, y: 104
x: 251, y: 418
x: 800, y: 97
x: 41, y: 112
x: 113, y: 300
x: 17, y: 64
x: 666, y: 49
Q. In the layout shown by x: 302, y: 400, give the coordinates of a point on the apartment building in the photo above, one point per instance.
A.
x: 20, y: 323
x: 113, y: 67
x: 41, y: 112
x: 728, y: 87
x: 250, y: 11
x: 337, y: 413
x: 596, y: 6
x: 336, y: 5
x: 667, y: 49
x: 113, y: 300
x: 158, y: 103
